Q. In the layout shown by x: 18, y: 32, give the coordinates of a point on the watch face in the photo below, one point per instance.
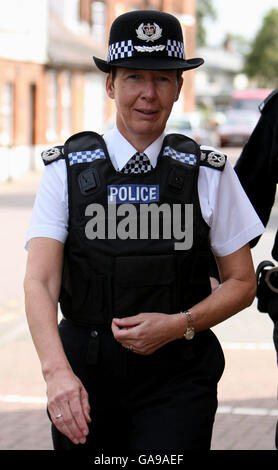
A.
x: 189, y: 333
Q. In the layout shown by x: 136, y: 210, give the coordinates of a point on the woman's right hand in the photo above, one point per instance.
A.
x: 67, y: 397
x: 68, y: 404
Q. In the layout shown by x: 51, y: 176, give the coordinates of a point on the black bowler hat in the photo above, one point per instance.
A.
x: 146, y: 40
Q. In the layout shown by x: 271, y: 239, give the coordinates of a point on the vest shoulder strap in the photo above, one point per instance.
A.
x: 269, y: 99
x: 83, y: 140
x: 212, y: 158
x: 181, y: 148
x: 85, y: 147
x: 186, y: 150
x: 79, y: 145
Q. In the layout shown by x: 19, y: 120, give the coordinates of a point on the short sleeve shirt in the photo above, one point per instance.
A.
x: 224, y: 205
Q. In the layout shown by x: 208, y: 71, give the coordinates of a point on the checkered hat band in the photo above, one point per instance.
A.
x: 175, y: 49
x: 188, y: 158
x: 120, y: 50
x: 124, y: 49
x: 85, y: 156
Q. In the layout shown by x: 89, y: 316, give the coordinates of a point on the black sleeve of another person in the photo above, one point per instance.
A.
x: 257, y: 165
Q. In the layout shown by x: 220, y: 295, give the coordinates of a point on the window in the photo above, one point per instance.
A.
x: 99, y: 21
x: 66, y: 106
x: 71, y: 13
x: 74, y: 10
x: 68, y: 11
x: 6, y: 113
x: 85, y: 11
x: 52, y: 104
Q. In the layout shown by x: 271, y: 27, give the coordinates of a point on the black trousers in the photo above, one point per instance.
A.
x: 164, y: 401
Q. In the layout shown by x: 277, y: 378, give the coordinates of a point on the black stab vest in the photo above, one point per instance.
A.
x: 118, y: 275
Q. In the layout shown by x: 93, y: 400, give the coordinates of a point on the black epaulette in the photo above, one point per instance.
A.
x: 265, y: 102
x: 212, y: 158
x: 53, y: 154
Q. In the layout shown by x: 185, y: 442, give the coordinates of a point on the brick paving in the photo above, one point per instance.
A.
x: 27, y: 428
x: 246, y: 417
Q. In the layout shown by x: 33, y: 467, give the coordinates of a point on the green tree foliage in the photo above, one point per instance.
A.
x: 262, y: 61
x: 205, y: 9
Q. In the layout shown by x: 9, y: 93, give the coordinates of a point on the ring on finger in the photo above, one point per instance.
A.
x: 130, y: 347
x: 59, y: 416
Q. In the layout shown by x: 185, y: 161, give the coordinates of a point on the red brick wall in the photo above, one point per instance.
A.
x: 22, y: 76
x: 78, y: 87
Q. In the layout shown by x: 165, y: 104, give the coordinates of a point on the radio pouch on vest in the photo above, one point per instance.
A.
x: 267, y: 287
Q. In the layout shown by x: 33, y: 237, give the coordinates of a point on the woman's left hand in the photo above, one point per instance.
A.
x: 146, y: 332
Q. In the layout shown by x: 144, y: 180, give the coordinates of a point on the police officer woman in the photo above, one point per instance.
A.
x: 133, y: 364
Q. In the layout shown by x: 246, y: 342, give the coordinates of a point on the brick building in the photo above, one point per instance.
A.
x: 49, y: 85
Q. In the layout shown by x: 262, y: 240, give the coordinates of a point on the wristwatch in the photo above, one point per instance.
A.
x: 190, y: 331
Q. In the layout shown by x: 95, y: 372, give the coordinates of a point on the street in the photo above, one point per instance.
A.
x: 247, y: 411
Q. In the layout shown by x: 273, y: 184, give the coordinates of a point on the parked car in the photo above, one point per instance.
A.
x: 237, y: 127
x: 249, y: 99
x: 193, y: 126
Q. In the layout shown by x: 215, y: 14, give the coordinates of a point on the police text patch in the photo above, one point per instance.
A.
x: 133, y: 193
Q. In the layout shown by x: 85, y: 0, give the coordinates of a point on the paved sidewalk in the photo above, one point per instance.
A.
x: 245, y: 420
x: 28, y: 429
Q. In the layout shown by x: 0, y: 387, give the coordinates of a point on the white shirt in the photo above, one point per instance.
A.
x: 225, y: 207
